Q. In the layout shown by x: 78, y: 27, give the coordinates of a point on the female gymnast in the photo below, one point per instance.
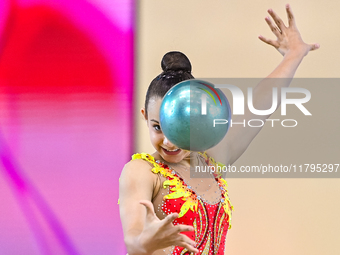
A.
x: 163, y: 210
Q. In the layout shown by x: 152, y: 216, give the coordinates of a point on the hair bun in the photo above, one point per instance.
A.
x: 175, y: 61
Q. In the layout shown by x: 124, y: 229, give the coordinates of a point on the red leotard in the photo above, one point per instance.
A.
x: 210, y: 221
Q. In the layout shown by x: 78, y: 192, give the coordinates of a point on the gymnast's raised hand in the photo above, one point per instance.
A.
x: 290, y: 44
x: 287, y: 38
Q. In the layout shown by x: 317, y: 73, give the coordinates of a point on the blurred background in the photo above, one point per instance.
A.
x: 73, y: 77
x: 66, y: 83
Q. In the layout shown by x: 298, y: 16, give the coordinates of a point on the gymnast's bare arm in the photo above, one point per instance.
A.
x: 290, y: 44
x: 144, y: 232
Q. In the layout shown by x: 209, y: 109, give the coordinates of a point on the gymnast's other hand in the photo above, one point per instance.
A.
x: 159, y: 234
x: 288, y: 38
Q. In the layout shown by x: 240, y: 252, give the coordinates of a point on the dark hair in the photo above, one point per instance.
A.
x: 176, y: 68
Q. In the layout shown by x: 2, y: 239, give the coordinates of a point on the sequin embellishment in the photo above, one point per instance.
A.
x: 211, y: 222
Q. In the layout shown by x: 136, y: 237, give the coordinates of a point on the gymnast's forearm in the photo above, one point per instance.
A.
x: 281, y: 77
x: 134, y: 245
x: 288, y: 66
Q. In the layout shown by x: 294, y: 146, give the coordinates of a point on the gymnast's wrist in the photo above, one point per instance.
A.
x: 297, y: 52
x: 136, y: 246
x: 140, y: 246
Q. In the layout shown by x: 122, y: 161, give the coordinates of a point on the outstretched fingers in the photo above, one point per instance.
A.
x: 314, y: 46
x: 177, y: 228
x: 273, y: 28
x: 189, y: 247
x: 269, y: 41
x: 187, y: 243
x: 166, y: 232
x: 184, y: 228
x: 288, y: 37
x: 150, y: 211
x: 278, y: 21
x: 291, y: 19
x: 170, y: 218
x: 178, y: 238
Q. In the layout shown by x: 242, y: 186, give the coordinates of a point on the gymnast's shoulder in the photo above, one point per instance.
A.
x: 138, y: 169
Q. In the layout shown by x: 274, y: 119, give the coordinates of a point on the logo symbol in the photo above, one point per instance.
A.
x: 204, y: 97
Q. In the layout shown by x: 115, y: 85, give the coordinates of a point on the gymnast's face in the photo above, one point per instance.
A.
x: 168, y: 151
